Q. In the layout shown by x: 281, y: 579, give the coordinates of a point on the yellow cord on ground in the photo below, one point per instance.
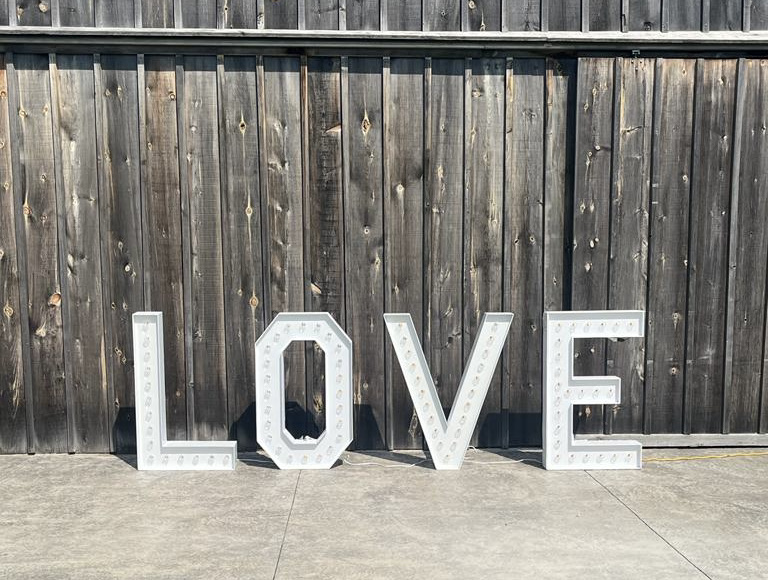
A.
x: 700, y: 457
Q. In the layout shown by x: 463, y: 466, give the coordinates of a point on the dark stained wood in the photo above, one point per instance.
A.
x: 403, y: 228
x: 441, y: 14
x: 281, y: 14
x: 117, y: 13
x: 77, y: 12
x: 284, y: 176
x: 13, y: 421
x: 668, y: 252
x: 605, y: 14
x: 324, y: 218
x: 633, y: 134
x: 195, y: 13
x: 564, y: 14
x: 162, y: 239
x: 78, y: 205
x: 35, y: 183
x: 523, y: 15
x: 683, y: 14
x: 321, y: 14
x: 591, y: 215
x: 523, y: 244
x: 710, y: 215
x: 121, y: 233
x: 156, y: 13
x: 31, y: 12
x: 725, y: 14
x: 758, y: 16
x: 402, y: 15
x: 443, y: 225
x: 203, y: 193
x: 364, y: 249
x: 483, y: 15
x: 645, y: 15
x: 238, y: 14
x: 362, y: 14
x: 749, y: 255
x: 483, y: 220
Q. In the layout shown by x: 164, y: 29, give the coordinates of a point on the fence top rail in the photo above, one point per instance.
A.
x: 382, y: 43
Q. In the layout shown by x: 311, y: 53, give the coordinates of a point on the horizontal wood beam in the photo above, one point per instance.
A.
x: 374, y: 43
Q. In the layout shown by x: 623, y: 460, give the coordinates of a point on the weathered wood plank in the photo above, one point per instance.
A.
x: 725, y: 14
x: 321, y: 14
x: 238, y: 14
x: 749, y: 256
x: 364, y: 249
x: 156, y: 13
x: 78, y: 207
x: 484, y: 15
x: 605, y: 15
x: 13, y: 421
x: 30, y: 12
x: 441, y: 15
x: 710, y: 215
x: 203, y: 193
x: 363, y: 14
x: 284, y: 176
x: 483, y: 221
x: 162, y: 231
x: 403, y: 15
x: 558, y: 177
x: 591, y: 217
x: 281, y: 14
x: 758, y: 16
x: 324, y: 219
x: 668, y: 253
x: 523, y: 14
x: 633, y: 135
x: 117, y: 13
x: 645, y: 15
x: 35, y: 190
x: 683, y: 14
x: 121, y: 237
x: 195, y: 13
x: 564, y: 15
x: 75, y: 13
x: 403, y: 228
x: 242, y: 232
x: 443, y: 225
x: 523, y: 244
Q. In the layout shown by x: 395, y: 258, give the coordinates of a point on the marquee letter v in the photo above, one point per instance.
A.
x: 448, y: 439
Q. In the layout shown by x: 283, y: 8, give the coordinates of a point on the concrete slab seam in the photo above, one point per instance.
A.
x: 287, y: 522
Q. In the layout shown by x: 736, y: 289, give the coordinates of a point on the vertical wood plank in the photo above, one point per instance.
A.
x: 645, y: 15
x: 484, y: 15
x: 76, y: 12
x: 31, y: 12
x: 284, y: 176
x: 628, y: 267
x: 243, y: 267
x: 667, y: 311
x: 324, y: 213
x: 403, y: 15
x: 684, y: 14
x: 403, y: 228
x: 116, y: 13
x: 156, y: 13
x: 121, y: 233
x: 523, y: 14
x: 758, y: 17
x: 281, y: 14
x: 523, y: 244
x: 605, y: 15
x: 363, y: 14
x: 36, y: 193
x: 564, y: 15
x: 441, y: 15
x: 749, y: 255
x: 164, y: 287
x: 203, y: 192
x: 13, y: 421
x: 483, y: 220
x: 725, y: 15
x: 196, y: 14
x: 364, y: 249
x: 710, y: 211
x: 321, y: 14
x: 238, y: 14
x: 591, y: 217
x: 443, y: 226
x: 78, y: 208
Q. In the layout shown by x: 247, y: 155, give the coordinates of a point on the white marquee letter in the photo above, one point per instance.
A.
x: 562, y: 390
x: 153, y: 450
x: 274, y: 438
x: 448, y: 439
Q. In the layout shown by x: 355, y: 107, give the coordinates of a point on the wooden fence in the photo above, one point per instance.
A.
x: 224, y: 189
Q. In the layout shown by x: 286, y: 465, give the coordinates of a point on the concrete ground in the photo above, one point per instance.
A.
x: 382, y: 516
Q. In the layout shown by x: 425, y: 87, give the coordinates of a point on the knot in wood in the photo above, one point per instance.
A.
x: 43, y: 7
x: 8, y: 311
x: 55, y: 299
x: 254, y: 302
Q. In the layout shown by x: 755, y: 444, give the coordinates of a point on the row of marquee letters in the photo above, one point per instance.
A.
x: 447, y: 438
